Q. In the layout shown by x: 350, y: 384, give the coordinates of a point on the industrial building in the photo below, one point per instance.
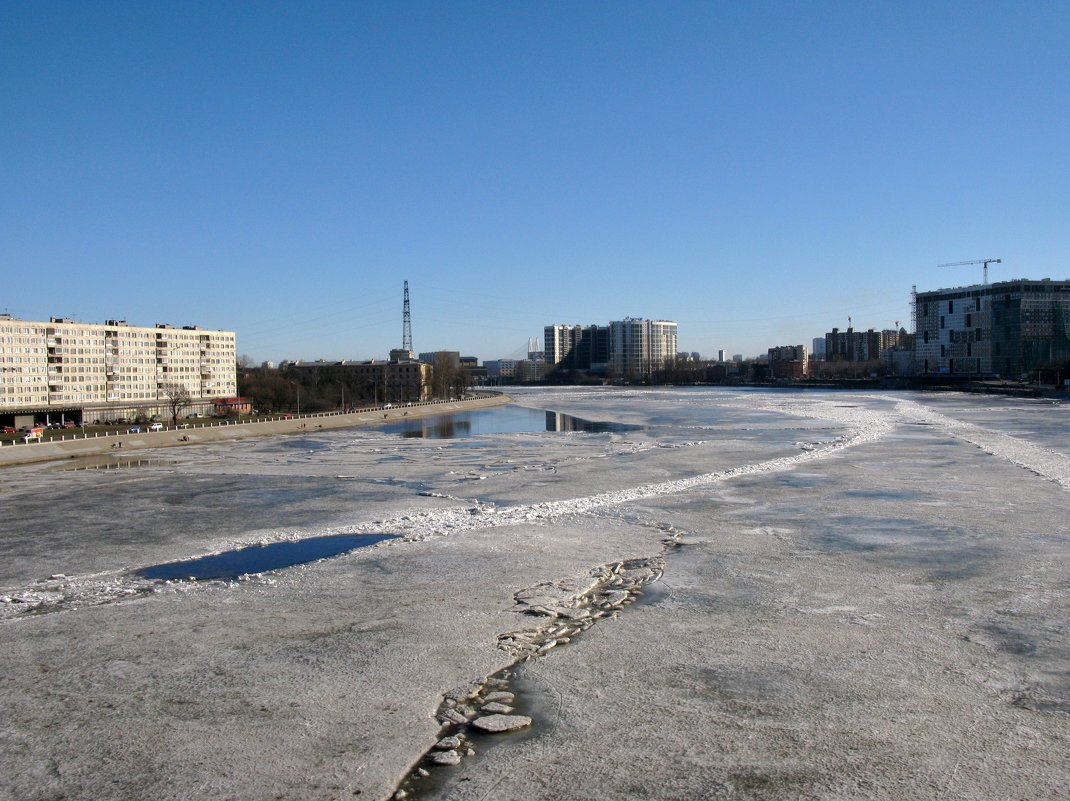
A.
x: 400, y: 380
x: 68, y: 371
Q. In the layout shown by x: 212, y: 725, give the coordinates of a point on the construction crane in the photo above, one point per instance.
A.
x: 985, y: 262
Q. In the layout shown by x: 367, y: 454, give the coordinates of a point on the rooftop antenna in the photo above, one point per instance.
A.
x: 848, y: 321
x: 406, y: 323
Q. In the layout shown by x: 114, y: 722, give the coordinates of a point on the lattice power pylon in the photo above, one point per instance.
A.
x: 406, y: 324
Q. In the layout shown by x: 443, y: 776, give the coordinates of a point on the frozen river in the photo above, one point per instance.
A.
x: 694, y: 593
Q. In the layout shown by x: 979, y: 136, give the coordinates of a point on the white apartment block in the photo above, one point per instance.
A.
x: 639, y: 347
x: 558, y: 341
x: 93, y: 370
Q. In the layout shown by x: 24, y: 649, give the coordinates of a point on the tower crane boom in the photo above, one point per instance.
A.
x: 985, y: 262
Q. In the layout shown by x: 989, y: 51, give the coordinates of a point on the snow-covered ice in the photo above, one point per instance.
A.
x: 859, y: 595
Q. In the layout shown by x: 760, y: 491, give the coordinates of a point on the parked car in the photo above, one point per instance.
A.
x: 10, y: 430
x: 156, y: 427
x: 134, y: 430
x: 70, y: 424
x: 52, y: 425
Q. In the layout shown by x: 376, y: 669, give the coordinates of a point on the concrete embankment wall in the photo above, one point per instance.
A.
x: 64, y: 449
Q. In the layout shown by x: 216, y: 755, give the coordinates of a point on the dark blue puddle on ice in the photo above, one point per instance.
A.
x: 262, y: 558
x: 499, y: 420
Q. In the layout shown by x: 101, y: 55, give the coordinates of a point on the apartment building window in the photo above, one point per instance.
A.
x: 941, y: 321
x: 951, y: 307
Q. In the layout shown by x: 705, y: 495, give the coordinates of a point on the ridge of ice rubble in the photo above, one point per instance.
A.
x: 1044, y: 462
x: 865, y: 426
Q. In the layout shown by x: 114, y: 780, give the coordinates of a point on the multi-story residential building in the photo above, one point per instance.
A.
x: 631, y: 348
x: 858, y: 346
x: 639, y: 347
x: 576, y: 347
x: 558, y: 343
x: 1009, y: 328
x: 789, y: 361
x: 86, y: 372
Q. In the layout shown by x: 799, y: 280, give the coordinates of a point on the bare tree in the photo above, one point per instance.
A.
x: 462, y: 380
x: 444, y: 375
x: 178, y: 398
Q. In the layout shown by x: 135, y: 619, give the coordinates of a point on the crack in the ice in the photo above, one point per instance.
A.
x: 565, y: 608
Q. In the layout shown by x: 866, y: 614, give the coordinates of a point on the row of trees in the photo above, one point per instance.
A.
x: 322, y: 388
x: 317, y: 389
x: 449, y: 379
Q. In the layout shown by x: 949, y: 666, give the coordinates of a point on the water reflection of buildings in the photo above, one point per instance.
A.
x: 555, y: 421
x: 438, y: 428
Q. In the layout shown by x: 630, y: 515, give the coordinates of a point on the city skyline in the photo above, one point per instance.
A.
x: 756, y: 174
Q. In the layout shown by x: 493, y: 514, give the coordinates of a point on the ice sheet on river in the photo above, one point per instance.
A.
x: 869, y: 601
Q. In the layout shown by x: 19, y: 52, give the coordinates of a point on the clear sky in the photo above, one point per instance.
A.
x: 756, y: 171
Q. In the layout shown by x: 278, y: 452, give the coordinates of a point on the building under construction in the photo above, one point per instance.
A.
x: 1009, y: 328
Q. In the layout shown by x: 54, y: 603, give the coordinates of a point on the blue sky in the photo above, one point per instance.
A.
x: 755, y: 171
